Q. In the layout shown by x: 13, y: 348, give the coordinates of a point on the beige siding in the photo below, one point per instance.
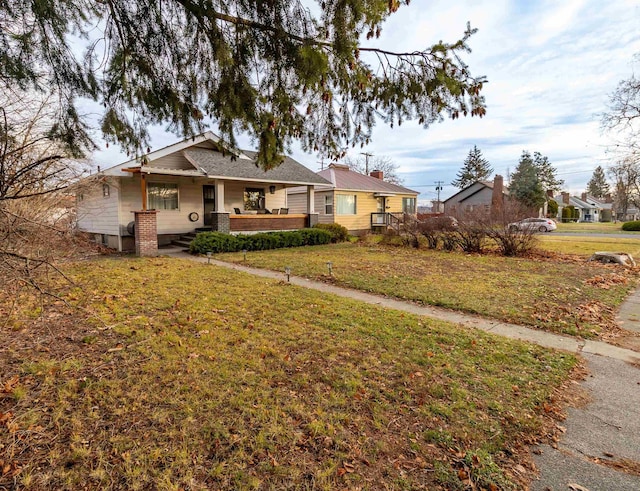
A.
x: 97, y: 213
x: 234, y: 195
x: 297, y: 203
x: 173, y: 161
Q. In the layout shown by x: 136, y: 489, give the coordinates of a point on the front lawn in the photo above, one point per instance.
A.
x: 180, y: 375
x: 568, y: 296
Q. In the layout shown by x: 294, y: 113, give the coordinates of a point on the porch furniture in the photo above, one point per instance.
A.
x: 237, y: 210
x: 275, y: 211
x: 284, y: 211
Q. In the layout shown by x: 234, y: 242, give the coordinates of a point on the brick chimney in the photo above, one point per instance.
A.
x: 583, y: 197
x: 378, y: 174
x: 497, y: 197
x: 550, y: 193
x: 565, y: 198
x: 608, y: 198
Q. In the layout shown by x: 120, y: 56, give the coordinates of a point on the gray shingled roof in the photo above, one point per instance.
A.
x: 217, y: 165
x: 347, y: 179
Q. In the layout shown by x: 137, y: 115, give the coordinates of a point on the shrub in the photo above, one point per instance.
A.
x: 218, y: 242
x: 316, y: 236
x: 214, y: 242
x: 552, y: 209
x: 337, y: 231
x: 631, y: 226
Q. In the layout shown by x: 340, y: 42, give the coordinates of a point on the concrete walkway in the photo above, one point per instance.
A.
x: 505, y: 329
x: 608, y: 428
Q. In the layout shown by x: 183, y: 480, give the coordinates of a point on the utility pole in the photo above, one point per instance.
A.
x: 321, y: 162
x: 366, y: 161
x: 438, y: 189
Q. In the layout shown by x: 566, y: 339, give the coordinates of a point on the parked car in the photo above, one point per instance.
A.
x: 533, y: 224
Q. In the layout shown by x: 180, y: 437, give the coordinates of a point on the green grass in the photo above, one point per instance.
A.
x: 197, y: 377
x: 586, y: 246
x: 595, y: 227
x: 551, y: 295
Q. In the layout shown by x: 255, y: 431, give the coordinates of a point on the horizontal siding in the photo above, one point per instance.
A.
x: 96, y: 213
x: 173, y: 161
x: 320, y: 208
x: 297, y: 203
x: 234, y: 195
x: 190, y: 200
x: 365, y: 205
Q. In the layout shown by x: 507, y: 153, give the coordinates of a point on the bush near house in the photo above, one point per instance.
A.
x: 631, y: 226
x: 218, y: 242
x: 338, y: 232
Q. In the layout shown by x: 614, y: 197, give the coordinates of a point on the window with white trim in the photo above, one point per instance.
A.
x: 345, y: 204
x: 328, y: 205
x: 162, y: 196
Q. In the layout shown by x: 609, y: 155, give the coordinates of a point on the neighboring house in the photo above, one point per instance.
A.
x: 476, y: 197
x: 359, y: 202
x: 196, y: 184
x: 589, y: 209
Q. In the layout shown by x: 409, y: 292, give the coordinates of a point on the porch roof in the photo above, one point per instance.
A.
x: 217, y: 165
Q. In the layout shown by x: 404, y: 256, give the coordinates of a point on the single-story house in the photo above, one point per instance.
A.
x: 477, y: 196
x: 194, y: 185
x: 359, y: 202
x: 589, y: 209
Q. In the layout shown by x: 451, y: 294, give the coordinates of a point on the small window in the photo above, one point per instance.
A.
x: 106, y: 192
x: 162, y: 196
x: 254, y: 198
x: 328, y: 205
x: 346, y: 204
x: 409, y: 205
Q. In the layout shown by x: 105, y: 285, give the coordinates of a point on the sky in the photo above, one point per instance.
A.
x: 551, y: 66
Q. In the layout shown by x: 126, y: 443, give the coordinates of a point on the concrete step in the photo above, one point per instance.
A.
x: 181, y: 243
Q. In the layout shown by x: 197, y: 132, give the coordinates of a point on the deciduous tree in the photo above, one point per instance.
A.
x: 382, y: 163
x: 276, y: 69
x: 475, y: 168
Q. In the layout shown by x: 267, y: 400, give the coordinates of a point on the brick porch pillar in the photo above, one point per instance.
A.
x: 146, y: 233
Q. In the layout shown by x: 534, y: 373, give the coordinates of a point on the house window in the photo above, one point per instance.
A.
x: 162, y: 196
x: 254, y: 198
x: 328, y: 205
x: 346, y: 204
x: 409, y: 205
x: 106, y: 192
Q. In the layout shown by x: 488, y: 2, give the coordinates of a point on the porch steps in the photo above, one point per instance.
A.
x: 184, y: 240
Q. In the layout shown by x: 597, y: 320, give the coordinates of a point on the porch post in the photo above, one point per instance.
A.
x: 219, y: 196
x: 146, y: 233
x: 311, y: 208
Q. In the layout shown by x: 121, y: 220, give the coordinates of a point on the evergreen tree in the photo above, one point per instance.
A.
x: 276, y: 69
x: 597, y: 185
x: 475, y: 168
x: 526, y: 185
x: 546, y: 173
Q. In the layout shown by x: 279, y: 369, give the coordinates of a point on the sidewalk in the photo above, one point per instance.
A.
x: 607, y: 429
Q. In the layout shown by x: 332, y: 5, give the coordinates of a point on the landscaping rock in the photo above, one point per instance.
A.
x: 621, y: 258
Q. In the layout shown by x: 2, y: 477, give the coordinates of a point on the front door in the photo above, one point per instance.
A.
x: 379, y: 217
x: 209, y: 200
